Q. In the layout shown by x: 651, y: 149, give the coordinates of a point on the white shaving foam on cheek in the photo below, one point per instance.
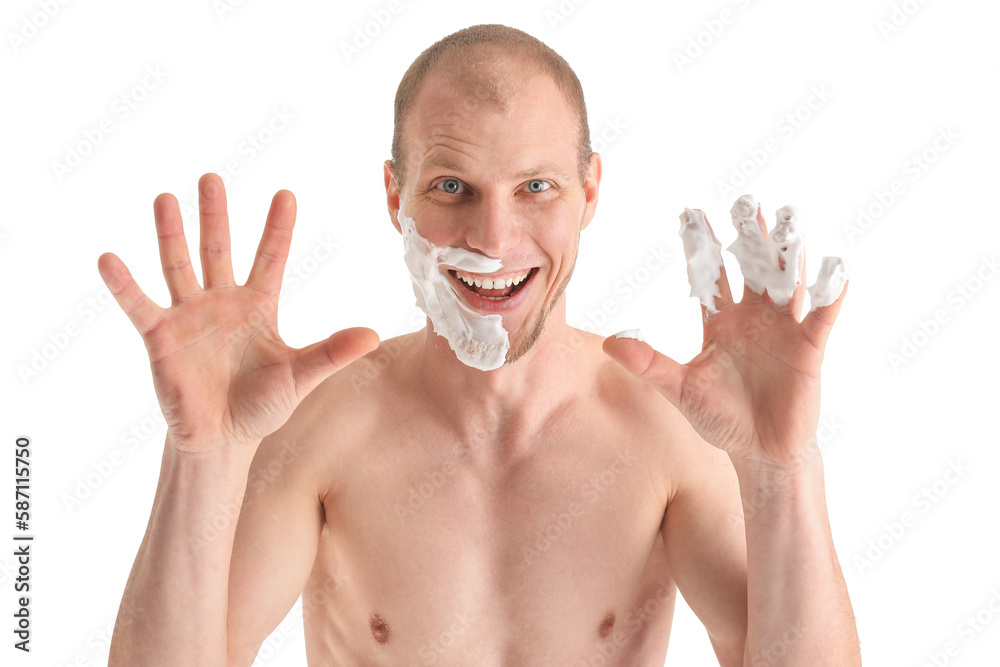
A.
x: 704, y: 258
x: 829, y: 283
x: 773, y: 263
x: 479, y: 341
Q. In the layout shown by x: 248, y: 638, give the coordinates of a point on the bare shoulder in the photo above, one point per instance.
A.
x: 677, y: 451
x: 333, y: 418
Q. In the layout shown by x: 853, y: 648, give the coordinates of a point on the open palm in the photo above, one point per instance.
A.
x: 754, y: 389
x: 221, y: 372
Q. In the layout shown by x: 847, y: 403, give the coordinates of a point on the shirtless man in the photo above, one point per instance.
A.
x: 543, y: 513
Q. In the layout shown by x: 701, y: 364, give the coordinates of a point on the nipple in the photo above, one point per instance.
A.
x: 604, y: 629
x: 380, y: 629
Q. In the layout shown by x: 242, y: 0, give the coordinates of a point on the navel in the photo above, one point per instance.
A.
x: 380, y: 629
x: 607, y: 625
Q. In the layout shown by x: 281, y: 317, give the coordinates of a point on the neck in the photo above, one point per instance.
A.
x: 512, y: 400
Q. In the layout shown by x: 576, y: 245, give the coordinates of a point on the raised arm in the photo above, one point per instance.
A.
x: 225, y: 380
x: 753, y: 392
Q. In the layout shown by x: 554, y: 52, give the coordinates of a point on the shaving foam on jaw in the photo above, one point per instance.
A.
x: 773, y: 263
x: 479, y: 341
x: 704, y: 258
x: 829, y: 283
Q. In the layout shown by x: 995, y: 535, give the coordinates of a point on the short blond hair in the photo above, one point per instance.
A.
x: 483, y: 56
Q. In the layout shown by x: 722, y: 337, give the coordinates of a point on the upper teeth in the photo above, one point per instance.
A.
x: 494, y: 283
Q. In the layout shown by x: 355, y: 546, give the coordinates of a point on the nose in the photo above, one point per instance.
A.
x: 492, y: 227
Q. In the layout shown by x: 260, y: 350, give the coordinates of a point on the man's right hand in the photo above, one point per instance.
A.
x: 222, y: 374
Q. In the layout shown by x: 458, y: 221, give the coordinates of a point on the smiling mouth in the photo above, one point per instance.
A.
x: 494, y: 288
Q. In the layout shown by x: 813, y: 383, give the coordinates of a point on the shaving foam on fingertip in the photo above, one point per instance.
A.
x: 634, y: 334
x: 704, y: 258
x: 829, y: 284
x: 768, y: 264
x: 479, y: 341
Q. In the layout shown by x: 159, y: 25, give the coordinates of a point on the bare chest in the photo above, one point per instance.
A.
x: 434, y: 554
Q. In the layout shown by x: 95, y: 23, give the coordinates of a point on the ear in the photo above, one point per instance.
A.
x: 591, y: 184
x: 392, y: 193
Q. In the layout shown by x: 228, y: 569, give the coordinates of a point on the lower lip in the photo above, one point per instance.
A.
x: 480, y: 304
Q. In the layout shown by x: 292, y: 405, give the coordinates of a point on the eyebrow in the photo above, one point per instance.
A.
x: 438, y: 160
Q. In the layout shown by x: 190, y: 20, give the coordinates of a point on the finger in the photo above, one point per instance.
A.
x: 799, y: 294
x: 216, y: 262
x: 704, y: 258
x: 174, y: 257
x: 272, y: 253
x: 642, y: 360
x: 761, y: 222
x: 817, y: 325
x: 726, y: 293
x: 720, y: 302
x: 141, y: 310
x: 318, y: 361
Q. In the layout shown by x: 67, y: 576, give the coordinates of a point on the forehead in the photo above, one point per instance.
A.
x: 500, y: 121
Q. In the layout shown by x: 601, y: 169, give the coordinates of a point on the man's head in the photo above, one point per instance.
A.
x: 491, y: 154
x: 473, y: 59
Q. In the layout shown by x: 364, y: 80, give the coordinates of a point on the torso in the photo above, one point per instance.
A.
x: 538, y: 548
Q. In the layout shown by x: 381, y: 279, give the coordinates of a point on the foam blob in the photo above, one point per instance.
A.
x: 634, y: 334
x: 768, y: 264
x: 704, y: 258
x: 479, y: 341
x: 829, y: 283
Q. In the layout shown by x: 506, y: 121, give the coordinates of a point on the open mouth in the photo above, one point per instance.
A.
x: 494, y: 288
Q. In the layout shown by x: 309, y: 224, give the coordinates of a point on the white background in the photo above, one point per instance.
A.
x: 670, y: 133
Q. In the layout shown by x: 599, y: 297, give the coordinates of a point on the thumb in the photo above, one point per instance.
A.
x: 641, y: 359
x: 318, y: 361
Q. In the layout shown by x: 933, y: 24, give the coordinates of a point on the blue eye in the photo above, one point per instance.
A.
x: 538, y: 185
x: 450, y: 185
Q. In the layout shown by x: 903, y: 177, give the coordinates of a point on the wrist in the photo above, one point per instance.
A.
x: 210, y: 450
x: 765, y: 484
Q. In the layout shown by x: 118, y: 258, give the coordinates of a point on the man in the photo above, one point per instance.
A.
x: 429, y: 512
